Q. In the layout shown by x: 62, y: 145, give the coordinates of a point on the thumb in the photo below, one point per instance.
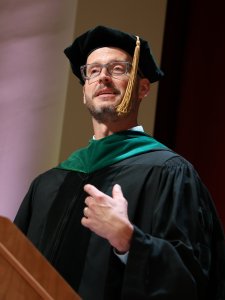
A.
x: 117, y: 191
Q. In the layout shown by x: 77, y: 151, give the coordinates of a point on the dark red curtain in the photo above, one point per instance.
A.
x: 190, y: 115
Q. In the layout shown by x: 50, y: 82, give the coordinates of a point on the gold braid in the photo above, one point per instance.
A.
x: 125, y: 105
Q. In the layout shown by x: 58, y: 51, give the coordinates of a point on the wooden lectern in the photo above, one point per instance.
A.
x: 24, y: 272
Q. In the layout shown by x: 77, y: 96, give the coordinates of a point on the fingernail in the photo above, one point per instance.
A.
x: 118, y: 186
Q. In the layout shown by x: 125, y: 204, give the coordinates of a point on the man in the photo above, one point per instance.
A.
x: 125, y: 217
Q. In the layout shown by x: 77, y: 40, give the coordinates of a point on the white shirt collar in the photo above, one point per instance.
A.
x: 135, y: 128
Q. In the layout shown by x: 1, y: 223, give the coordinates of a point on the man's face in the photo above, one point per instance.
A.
x: 103, y: 93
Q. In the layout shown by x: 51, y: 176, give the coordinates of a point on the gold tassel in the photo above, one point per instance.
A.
x: 125, y: 105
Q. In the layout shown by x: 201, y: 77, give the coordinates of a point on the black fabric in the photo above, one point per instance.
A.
x: 63, y: 222
x: 177, y: 250
x: 102, y: 36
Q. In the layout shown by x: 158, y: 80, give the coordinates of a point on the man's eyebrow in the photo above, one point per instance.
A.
x: 110, y: 61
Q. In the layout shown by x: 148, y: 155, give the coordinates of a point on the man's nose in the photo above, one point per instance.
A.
x: 104, y: 75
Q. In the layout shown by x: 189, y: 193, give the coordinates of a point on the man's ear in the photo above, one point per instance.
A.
x: 84, y: 99
x: 144, y: 88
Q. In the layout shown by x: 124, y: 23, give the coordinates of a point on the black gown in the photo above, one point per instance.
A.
x: 177, y: 249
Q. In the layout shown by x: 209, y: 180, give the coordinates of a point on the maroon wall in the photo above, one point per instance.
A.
x: 190, y: 114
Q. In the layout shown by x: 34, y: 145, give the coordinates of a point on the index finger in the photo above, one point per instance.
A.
x: 93, y: 191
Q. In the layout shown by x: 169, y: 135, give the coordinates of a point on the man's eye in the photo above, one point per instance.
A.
x: 118, y: 68
x: 92, y: 71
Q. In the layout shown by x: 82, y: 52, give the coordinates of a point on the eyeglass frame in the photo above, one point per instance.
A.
x: 127, y: 64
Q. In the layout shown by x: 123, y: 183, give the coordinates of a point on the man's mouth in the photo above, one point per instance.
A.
x: 106, y: 91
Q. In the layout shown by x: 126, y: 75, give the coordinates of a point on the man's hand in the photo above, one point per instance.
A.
x: 107, y: 216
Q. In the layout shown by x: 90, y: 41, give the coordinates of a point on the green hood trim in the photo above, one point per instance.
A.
x: 110, y: 150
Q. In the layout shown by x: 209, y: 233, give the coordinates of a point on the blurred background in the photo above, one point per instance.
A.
x: 42, y: 117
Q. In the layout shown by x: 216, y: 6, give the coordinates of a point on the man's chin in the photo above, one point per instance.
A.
x: 104, y: 113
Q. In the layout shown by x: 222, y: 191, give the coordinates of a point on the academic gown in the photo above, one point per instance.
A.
x: 177, y: 249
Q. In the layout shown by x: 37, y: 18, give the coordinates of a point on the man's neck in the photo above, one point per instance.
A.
x: 102, y: 130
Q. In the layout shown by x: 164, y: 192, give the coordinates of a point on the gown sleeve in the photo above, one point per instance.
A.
x: 22, y: 219
x: 177, y: 250
x: 33, y: 212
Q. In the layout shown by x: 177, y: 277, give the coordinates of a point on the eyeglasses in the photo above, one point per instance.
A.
x: 114, y: 68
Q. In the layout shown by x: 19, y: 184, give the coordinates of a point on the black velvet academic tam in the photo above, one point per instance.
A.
x: 102, y: 36
x: 177, y: 250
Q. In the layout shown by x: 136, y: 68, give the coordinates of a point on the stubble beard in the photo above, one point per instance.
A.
x: 103, y: 114
x: 108, y: 112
